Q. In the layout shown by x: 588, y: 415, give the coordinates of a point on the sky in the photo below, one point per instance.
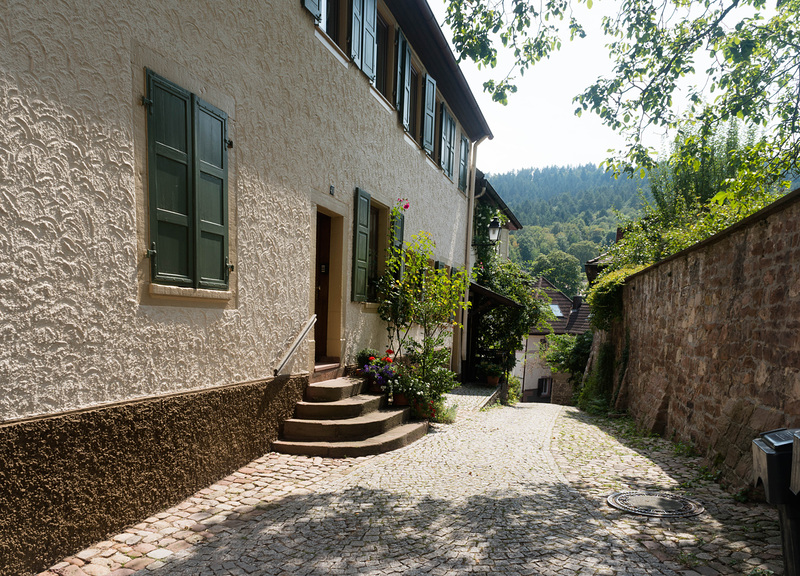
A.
x: 538, y: 127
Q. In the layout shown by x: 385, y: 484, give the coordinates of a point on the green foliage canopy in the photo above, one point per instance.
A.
x: 560, y: 268
x: 697, y: 191
x: 753, y: 69
x: 567, y: 353
x: 503, y: 328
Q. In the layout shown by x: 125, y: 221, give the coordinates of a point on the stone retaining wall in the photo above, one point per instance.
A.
x: 74, y: 478
x: 714, y: 332
x: 561, y: 392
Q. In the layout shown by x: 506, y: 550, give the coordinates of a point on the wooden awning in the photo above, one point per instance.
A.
x: 492, y: 296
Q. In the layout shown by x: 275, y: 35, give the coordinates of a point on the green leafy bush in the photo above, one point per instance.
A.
x: 414, y: 294
x: 363, y: 357
x: 514, y: 389
x: 595, y: 395
x: 605, y: 297
x: 489, y: 369
x: 434, y: 411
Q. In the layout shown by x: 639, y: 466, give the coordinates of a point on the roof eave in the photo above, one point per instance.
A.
x: 422, y: 30
x: 513, y: 221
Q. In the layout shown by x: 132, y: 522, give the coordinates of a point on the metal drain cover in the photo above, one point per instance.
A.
x: 655, y: 504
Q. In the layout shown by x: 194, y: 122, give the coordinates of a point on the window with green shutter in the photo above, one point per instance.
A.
x: 369, y: 38
x: 369, y: 226
x: 364, y: 35
x: 361, y: 242
x: 403, y: 80
x: 187, y: 158
x: 463, y: 164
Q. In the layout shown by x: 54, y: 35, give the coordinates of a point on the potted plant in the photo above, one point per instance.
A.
x: 380, y: 372
x: 491, y: 371
x: 364, y: 357
x: 406, y: 388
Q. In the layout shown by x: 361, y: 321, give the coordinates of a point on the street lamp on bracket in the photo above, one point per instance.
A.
x: 494, y: 233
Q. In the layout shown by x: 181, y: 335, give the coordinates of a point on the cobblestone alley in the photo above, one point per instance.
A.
x: 513, y: 490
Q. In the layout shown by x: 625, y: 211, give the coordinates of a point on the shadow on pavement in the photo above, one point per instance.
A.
x: 364, y: 530
x: 730, y: 537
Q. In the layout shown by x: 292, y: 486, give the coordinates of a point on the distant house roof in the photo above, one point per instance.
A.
x: 419, y: 25
x: 493, y: 197
x: 574, y: 318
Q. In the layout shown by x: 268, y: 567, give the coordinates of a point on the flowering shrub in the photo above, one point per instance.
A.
x: 363, y: 357
x: 430, y: 387
x: 434, y: 411
x: 409, y: 384
x: 425, y: 409
x: 381, y: 370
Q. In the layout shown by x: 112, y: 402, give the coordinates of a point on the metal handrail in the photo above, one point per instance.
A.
x: 296, y: 344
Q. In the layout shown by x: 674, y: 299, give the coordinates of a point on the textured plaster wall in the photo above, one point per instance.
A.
x: 78, y: 326
x: 714, y: 354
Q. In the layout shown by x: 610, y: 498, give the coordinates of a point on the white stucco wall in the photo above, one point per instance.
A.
x: 78, y: 326
x: 535, y: 367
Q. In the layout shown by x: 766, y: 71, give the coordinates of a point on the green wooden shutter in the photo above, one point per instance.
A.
x: 447, y: 152
x: 356, y: 31
x: 211, y: 181
x: 443, y: 142
x: 361, y: 233
x: 429, y: 115
x: 315, y: 7
x: 398, y: 229
x: 170, y: 175
x: 403, y: 80
x: 400, y: 43
x: 369, y: 44
x: 463, y: 164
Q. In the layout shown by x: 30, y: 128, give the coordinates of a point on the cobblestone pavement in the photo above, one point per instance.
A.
x: 514, y: 490
x: 471, y: 397
x: 730, y: 537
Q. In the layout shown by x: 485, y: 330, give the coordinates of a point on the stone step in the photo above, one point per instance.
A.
x: 326, y: 370
x: 333, y: 390
x: 358, y: 428
x: 340, y: 409
x: 391, y: 440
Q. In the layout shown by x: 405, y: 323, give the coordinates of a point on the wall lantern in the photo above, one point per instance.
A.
x: 494, y: 230
x: 494, y: 233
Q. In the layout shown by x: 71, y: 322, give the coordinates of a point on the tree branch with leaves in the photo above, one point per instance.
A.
x: 753, y: 71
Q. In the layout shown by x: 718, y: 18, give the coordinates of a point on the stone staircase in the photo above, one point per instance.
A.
x: 338, y: 419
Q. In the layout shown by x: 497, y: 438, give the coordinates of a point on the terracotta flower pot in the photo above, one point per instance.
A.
x: 400, y: 400
x: 493, y: 380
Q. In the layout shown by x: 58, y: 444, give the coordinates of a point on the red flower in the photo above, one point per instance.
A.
x: 389, y: 351
x: 371, y: 358
x: 389, y: 360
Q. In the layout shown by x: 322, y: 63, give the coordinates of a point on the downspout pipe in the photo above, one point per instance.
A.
x: 471, y: 197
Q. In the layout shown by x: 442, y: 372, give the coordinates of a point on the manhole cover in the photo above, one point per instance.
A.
x: 655, y: 504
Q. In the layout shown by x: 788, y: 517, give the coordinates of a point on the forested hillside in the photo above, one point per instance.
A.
x: 568, y: 214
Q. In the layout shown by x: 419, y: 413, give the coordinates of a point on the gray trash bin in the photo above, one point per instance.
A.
x: 775, y: 454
